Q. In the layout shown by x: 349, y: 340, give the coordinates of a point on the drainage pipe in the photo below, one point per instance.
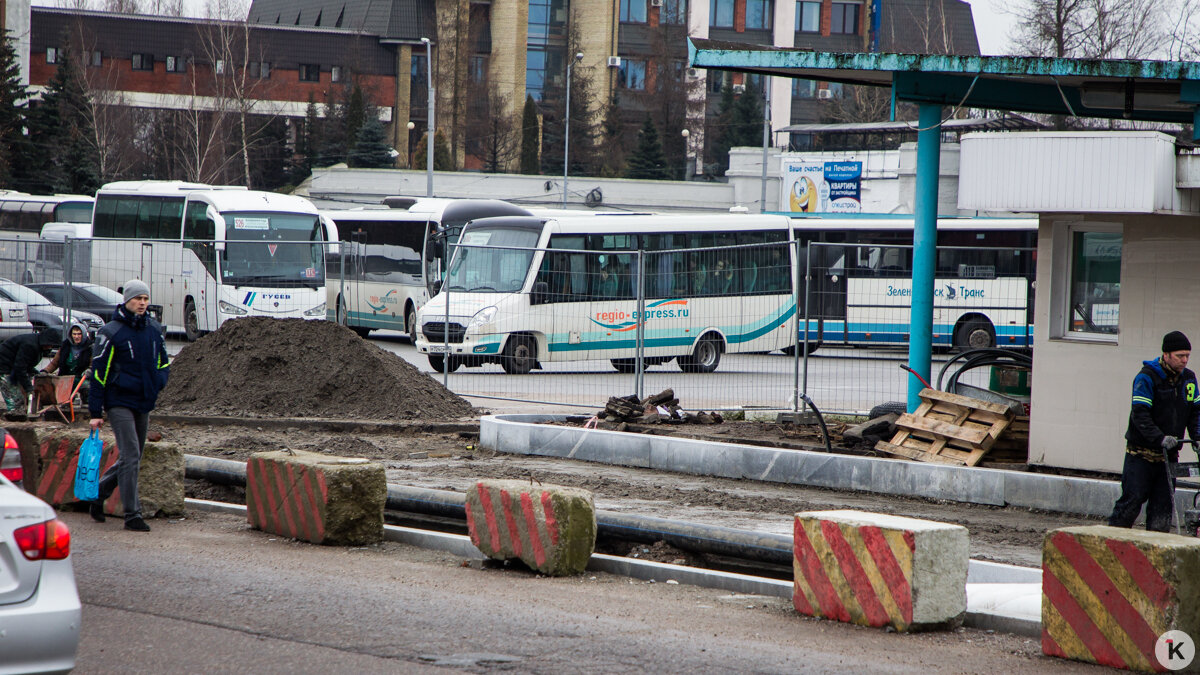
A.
x: 712, y: 539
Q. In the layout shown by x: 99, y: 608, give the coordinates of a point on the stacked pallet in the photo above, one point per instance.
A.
x: 1013, y: 445
x: 948, y: 429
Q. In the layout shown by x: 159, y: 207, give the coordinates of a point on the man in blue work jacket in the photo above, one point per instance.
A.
x: 129, y: 368
x: 1165, y: 404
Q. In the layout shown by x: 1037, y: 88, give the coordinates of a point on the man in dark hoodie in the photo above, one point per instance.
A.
x: 19, y: 357
x: 129, y: 368
x: 74, y: 357
x: 1165, y: 404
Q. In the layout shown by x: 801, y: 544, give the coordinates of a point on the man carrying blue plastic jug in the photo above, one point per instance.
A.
x: 129, y: 368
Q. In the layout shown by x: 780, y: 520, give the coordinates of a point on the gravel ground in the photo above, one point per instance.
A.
x: 452, y: 461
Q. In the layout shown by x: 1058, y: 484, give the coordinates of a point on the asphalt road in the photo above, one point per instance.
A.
x: 838, y: 380
x: 207, y: 594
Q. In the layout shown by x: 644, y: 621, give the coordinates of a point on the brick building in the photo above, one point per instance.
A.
x: 634, y: 52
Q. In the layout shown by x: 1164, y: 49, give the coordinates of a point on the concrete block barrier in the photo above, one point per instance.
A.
x: 879, y: 570
x: 50, y: 455
x: 551, y: 529
x: 315, y: 497
x: 1109, y: 594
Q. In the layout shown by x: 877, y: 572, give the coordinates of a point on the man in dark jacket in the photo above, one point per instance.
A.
x: 19, y: 357
x: 1165, y: 404
x: 129, y: 368
x: 74, y: 357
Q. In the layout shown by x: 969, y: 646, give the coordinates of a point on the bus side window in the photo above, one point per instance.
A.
x: 170, y: 219
x: 198, y: 232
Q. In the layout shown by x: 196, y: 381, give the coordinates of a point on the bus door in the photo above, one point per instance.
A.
x: 826, y: 293
x: 561, y: 301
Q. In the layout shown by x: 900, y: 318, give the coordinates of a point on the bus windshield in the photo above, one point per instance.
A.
x: 258, y: 249
x: 492, y: 270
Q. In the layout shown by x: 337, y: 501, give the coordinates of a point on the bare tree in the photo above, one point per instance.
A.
x: 493, y: 136
x: 1097, y: 29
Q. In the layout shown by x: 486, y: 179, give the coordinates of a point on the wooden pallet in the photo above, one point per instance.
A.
x: 948, y: 429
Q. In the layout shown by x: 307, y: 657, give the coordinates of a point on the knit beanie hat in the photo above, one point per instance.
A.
x: 134, y: 288
x: 1175, y: 341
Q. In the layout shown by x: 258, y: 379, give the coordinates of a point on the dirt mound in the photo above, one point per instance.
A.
x: 262, y: 367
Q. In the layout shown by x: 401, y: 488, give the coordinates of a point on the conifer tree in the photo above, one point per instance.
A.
x: 12, y: 112
x: 62, y: 131
x: 370, y: 149
x: 529, y: 138
x: 647, y: 161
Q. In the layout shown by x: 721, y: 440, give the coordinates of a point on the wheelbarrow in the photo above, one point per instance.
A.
x: 54, y: 392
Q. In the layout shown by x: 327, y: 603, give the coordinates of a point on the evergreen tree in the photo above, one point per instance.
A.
x: 62, y: 131
x: 442, y: 159
x: 332, y: 147
x: 356, y: 113
x: 529, y: 138
x: 723, y: 130
x: 647, y: 161
x: 12, y: 112
x: 747, y: 122
x: 370, y: 149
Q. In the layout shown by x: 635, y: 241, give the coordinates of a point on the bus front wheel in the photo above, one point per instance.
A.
x: 975, y: 334
x: 439, y: 364
x: 410, y: 323
x: 704, y: 358
x: 191, y: 321
x: 520, y: 355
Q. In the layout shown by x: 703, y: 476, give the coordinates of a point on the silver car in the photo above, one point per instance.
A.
x: 39, y: 603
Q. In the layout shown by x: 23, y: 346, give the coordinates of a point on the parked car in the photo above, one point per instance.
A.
x: 40, y: 611
x: 10, y: 461
x: 94, y: 298
x: 42, y: 312
x: 14, y: 319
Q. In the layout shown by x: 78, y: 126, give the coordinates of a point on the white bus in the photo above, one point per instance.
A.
x: 525, y: 291
x: 390, y: 255
x: 212, y: 253
x: 714, y: 285
x: 860, y: 284
x: 22, y: 219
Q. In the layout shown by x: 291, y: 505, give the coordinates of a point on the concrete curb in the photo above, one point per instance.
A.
x: 321, y: 424
x: 989, y: 608
x: 541, y: 435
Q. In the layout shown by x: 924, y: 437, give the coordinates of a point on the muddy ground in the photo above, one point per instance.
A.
x: 452, y: 461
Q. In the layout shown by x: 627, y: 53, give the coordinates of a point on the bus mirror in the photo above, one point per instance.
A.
x: 541, y: 292
x: 435, y: 287
x: 434, y: 251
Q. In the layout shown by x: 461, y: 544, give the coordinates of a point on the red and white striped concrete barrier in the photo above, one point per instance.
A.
x: 315, y: 497
x: 879, y: 570
x: 1109, y: 594
x: 551, y: 529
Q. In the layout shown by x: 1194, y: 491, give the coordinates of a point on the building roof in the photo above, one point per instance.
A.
x: 1160, y: 91
x: 394, y: 21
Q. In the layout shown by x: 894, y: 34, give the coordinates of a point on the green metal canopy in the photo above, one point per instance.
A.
x: 1157, y: 91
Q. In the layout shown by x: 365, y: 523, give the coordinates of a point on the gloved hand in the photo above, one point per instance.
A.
x: 1170, y: 443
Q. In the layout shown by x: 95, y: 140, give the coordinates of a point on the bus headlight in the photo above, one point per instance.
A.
x: 482, y: 318
x: 319, y: 310
x: 230, y: 309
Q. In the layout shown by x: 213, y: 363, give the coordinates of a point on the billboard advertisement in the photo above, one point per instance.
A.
x: 822, y: 187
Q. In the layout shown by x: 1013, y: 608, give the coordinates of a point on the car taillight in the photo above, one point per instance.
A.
x: 50, y: 540
x: 17, y: 473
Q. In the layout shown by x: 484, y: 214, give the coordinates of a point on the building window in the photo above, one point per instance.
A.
x: 95, y: 59
x: 310, y: 72
x: 808, y: 17
x: 632, y: 74
x: 51, y: 55
x: 1095, y: 282
x: 633, y: 11
x: 718, y: 80
x: 834, y: 89
x: 143, y: 62
x: 804, y: 88
x: 844, y: 18
x: 673, y: 12
x: 720, y: 13
x: 335, y: 73
x: 174, y: 64
x: 759, y: 14
x: 219, y: 66
x: 477, y: 68
x: 260, y: 69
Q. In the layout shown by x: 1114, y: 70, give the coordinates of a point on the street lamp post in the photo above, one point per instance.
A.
x: 429, y: 121
x: 567, y: 128
x: 685, y: 133
x: 408, y: 143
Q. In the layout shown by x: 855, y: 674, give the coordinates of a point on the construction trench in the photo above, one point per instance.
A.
x: 718, y: 515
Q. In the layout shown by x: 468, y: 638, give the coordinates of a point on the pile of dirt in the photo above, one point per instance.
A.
x: 263, y: 367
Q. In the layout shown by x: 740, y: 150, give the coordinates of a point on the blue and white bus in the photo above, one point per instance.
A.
x: 524, y: 291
